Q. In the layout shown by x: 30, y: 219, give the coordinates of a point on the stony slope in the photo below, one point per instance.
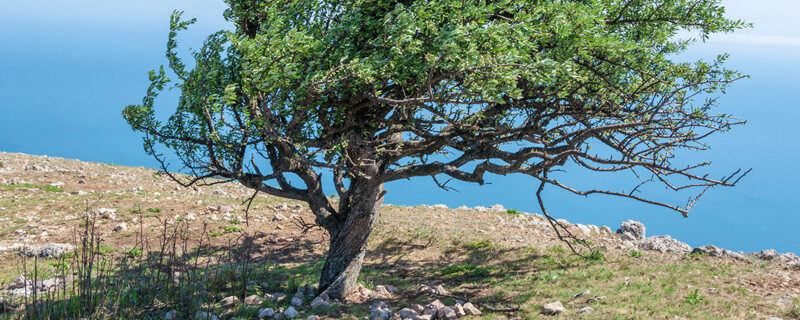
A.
x: 488, y: 255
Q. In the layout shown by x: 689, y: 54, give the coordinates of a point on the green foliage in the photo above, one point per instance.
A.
x: 30, y: 186
x: 596, y: 256
x: 231, y: 229
x: 635, y: 254
x: 153, y: 210
x: 694, y: 297
x: 484, y: 244
x: 512, y: 211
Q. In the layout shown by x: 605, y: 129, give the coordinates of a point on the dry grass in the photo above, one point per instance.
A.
x: 494, y: 258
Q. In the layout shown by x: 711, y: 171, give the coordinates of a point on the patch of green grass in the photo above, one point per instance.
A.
x: 465, y: 270
x: 231, y: 229
x: 30, y: 186
x: 512, y: 211
x: 478, y: 245
x: 635, y: 254
x: 596, y: 256
x: 215, y: 234
x: 153, y: 210
x: 694, y: 297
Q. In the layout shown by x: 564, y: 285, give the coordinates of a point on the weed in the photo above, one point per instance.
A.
x: 478, y: 245
x: 231, y: 229
x: 635, y: 254
x: 153, y: 210
x: 694, y: 297
x: 596, y: 256
x: 512, y: 211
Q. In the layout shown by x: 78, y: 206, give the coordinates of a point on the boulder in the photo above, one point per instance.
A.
x: 122, y: 226
x: 632, y: 229
x: 379, y: 311
x: 171, y: 315
x: 459, y: 310
x: 103, y: 213
x: 553, y: 308
x: 19, y: 282
x: 380, y: 293
x: 772, y: 255
x: 320, y: 304
x: 407, y: 313
x: 664, y: 244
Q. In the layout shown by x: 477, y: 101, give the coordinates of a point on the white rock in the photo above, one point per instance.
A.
x: 635, y: 229
x: 122, y: 226
x: 253, y: 300
x: 296, y: 301
x: 291, y: 313
x: 585, y: 310
x: 553, y: 308
x: 471, y: 310
x: 266, y: 313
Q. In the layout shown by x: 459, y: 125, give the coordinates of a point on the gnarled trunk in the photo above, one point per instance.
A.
x: 348, y: 242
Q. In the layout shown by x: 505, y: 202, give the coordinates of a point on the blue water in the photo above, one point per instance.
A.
x: 64, y: 81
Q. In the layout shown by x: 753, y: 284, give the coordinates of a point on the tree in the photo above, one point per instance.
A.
x: 366, y: 92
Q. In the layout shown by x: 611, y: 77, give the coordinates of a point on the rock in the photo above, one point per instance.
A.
x: 171, y: 315
x: 664, y: 244
x: 266, y: 313
x: 582, y: 293
x: 774, y: 318
x: 19, y: 282
x: 291, y: 313
x: 278, y: 316
x: 229, y: 302
x: 320, y: 304
x: 407, y: 313
x: 634, y: 229
x: 103, y: 213
x: 585, y: 310
x: 435, y: 305
x: 50, y: 250
x: 313, y: 317
x: 459, y: 310
x: 380, y: 293
x: 418, y: 308
x: 122, y: 226
x: 379, y: 311
x: 446, y: 313
x: 253, y: 300
x: 296, y: 301
x: 278, y: 217
x: 440, y: 290
x: 202, y: 315
x: 225, y: 209
x: 718, y: 252
x: 279, y: 296
x: 471, y: 310
x: 553, y: 308
x: 772, y: 255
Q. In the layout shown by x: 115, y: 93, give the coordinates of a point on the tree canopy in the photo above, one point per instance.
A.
x: 375, y: 91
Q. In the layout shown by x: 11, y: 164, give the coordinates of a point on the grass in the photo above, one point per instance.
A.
x: 30, y: 186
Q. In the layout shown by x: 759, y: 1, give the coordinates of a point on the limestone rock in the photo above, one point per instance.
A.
x: 718, y: 252
x: 471, y: 310
x: 266, y: 313
x: 50, y: 250
x: 459, y: 310
x: 585, y: 310
x: 446, y: 313
x: 407, y: 313
x: 379, y: 311
x: 634, y: 229
x: 253, y: 300
x: 664, y: 244
x: 103, y: 213
x: 229, y: 302
x: 291, y: 313
x: 553, y: 308
x: 296, y: 301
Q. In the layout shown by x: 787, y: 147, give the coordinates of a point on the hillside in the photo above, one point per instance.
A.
x: 491, y: 256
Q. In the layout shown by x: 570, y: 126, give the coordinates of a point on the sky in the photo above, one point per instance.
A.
x: 67, y: 68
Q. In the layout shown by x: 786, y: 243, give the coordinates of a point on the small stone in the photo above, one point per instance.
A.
x: 471, y: 310
x: 291, y: 313
x: 19, y: 282
x: 407, y: 313
x: 202, y: 315
x: 171, y: 315
x: 50, y: 250
x: 253, y: 300
x: 446, y: 313
x: 297, y: 302
x: 380, y: 292
x: 104, y: 213
x: 459, y: 310
x: 418, y: 308
x: 122, y: 226
x: 585, y: 310
x: 320, y: 304
x: 278, y: 316
x: 266, y: 313
x: 440, y: 290
x: 225, y: 209
x: 229, y: 302
x: 313, y: 317
x: 582, y: 293
x: 279, y: 296
x: 553, y: 308
x: 278, y: 217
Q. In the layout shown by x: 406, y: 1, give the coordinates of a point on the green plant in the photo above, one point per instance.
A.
x: 153, y: 210
x: 635, y: 254
x: 596, y: 256
x: 512, y: 211
x: 694, y: 297
x: 231, y: 229
x: 478, y: 245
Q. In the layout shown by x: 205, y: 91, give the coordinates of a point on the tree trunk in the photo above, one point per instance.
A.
x: 348, y: 242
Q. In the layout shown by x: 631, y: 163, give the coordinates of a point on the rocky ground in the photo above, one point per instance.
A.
x: 424, y: 262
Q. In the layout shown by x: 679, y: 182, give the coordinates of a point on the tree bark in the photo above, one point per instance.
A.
x: 348, y: 242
